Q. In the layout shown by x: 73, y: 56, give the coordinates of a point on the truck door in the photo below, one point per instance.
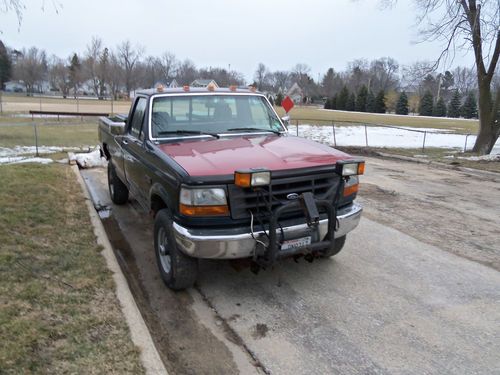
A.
x: 133, y: 150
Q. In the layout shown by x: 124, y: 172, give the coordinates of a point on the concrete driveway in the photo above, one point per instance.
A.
x: 411, y: 293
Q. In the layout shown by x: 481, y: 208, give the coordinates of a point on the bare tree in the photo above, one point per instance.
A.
x: 129, y: 56
x: 261, y: 77
x: 168, y: 64
x: 472, y: 24
x: 59, y: 76
x: 465, y: 79
x: 186, y: 73
x: 31, y: 68
x: 280, y: 80
x: 91, y: 63
x: 115, y: 76
x: 383, y: 74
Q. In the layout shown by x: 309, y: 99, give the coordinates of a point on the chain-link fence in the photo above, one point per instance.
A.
x: 378, y: 135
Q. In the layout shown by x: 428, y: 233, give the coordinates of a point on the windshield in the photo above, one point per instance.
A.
x: 173, y: 115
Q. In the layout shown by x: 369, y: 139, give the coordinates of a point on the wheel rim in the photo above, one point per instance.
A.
x: 163, y: 254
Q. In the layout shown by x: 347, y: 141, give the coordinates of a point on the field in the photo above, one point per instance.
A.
x: 58, y: 310
x: 67, y: 132
x: 316, y: 115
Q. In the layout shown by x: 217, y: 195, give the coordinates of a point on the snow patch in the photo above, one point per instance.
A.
x: 490, y: 157
x: 31, y: 150
x: 23, y: 159
x: 90, y: 159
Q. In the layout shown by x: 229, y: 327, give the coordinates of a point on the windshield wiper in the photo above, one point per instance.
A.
x: 194, y: 132
x: 256, y: 129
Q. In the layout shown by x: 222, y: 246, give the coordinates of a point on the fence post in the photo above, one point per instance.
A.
x: 465, y: 147
x: 423, y: 144
x: 334, y: 136
x: 1, y: 104
x: 112, y: 110
x: 77, y: 103
x: 36, y: 138
x: 366, y: 135
x: 40, y: 96
x: 297, y: 124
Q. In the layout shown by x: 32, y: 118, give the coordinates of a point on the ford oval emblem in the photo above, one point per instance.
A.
x: 292, y: 196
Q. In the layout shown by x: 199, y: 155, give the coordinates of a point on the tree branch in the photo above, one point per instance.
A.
x: 494, y: 59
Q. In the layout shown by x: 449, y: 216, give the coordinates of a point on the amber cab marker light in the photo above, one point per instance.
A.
x: 361, y: 168
x: 211, y: 87
x: 160, y: 88
x: 232, y: 88
x: 204, y: 210
x: 242, y: 179
x: 185, y: 88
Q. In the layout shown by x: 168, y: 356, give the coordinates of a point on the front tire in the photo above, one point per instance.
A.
x: 177, y: 270
x: 339, y: 244
x: 118, y: 191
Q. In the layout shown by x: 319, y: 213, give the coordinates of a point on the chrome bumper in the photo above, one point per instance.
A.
x: 205, y: 244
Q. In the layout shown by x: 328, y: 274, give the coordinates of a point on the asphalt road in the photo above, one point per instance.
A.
x: 416, y: 289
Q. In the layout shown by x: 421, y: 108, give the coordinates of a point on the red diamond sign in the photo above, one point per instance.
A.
x: 287, y: 104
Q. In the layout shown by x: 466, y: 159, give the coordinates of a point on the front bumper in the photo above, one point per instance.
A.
x: 238, y: 243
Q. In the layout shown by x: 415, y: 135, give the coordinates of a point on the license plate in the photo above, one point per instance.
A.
x: 296, y: 243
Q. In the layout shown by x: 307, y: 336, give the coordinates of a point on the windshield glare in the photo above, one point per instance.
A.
x: 212, y: 114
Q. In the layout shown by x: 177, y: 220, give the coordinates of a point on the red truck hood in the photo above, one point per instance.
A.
x: 223, y: 156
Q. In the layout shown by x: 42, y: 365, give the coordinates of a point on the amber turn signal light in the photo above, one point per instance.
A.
x: 204, y: 210
x: 251, y: 178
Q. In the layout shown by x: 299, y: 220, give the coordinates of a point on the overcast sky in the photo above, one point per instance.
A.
x: 279, y: 33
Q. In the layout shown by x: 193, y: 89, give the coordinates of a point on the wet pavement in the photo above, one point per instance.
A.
x: 393, y: 301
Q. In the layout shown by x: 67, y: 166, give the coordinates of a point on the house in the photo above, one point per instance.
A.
x: 204, y: 83
x: 15, y: 86
x: 173, y: 84
x: 296, y: 93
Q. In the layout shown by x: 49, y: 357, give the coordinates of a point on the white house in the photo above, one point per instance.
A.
x: 204, y: 83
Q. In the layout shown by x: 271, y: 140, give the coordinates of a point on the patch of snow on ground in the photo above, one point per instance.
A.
x: 91, y: 159
x: 491, y: 157
x: 31, y: 150
x: 384, y: 137
x: 23, y: 159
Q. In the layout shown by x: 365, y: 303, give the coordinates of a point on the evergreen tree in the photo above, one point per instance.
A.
x: 361, y: 99
x: 328, y: 103
x: 334, y: 101
x: 440, y: 110
x: 454, y: 107
x: 75, y: 76
x: 379, y: 105
x: 426, y: 104
x: 342, y: 98
x: 370, y: 102
x: 402, y: 104
x: 351, y: 102
x: 279, y: 99
x: 469, y: 108
x: 5, y: 65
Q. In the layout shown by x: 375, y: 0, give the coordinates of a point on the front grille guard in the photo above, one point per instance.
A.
x: 309, y: 205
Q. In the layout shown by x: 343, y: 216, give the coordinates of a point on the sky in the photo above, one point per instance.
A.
x: 235, y: 33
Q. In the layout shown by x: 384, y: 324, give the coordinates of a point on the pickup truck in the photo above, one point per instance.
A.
x: 223, y: 179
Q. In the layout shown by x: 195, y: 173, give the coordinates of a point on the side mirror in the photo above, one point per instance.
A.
x: 286, y: 120
x: 117, y: 128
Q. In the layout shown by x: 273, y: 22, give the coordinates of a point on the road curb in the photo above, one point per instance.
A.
x: 441, y: 165
x: 140, y: 334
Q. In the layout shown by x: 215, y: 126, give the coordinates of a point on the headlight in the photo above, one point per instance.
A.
x: 251, y: 178
x: 350, y: 167
x: 203, y: 202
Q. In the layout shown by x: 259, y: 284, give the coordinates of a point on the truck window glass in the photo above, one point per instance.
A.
x: 211, y: 113
x: 137, y: 117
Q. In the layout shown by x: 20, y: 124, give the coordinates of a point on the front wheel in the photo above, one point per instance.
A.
x: 177, y: 270
x: 339, y: 244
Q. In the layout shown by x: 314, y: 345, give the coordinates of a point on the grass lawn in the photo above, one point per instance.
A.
x: 312, y: 114
x: 67, y: 132
x: 58, y: 309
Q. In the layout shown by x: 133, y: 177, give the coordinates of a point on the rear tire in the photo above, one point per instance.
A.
x: 177, y: 270
x: 118, y: 191
x: 339, y: 244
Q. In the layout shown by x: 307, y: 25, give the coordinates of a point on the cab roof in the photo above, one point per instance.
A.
x: 200, y: 90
